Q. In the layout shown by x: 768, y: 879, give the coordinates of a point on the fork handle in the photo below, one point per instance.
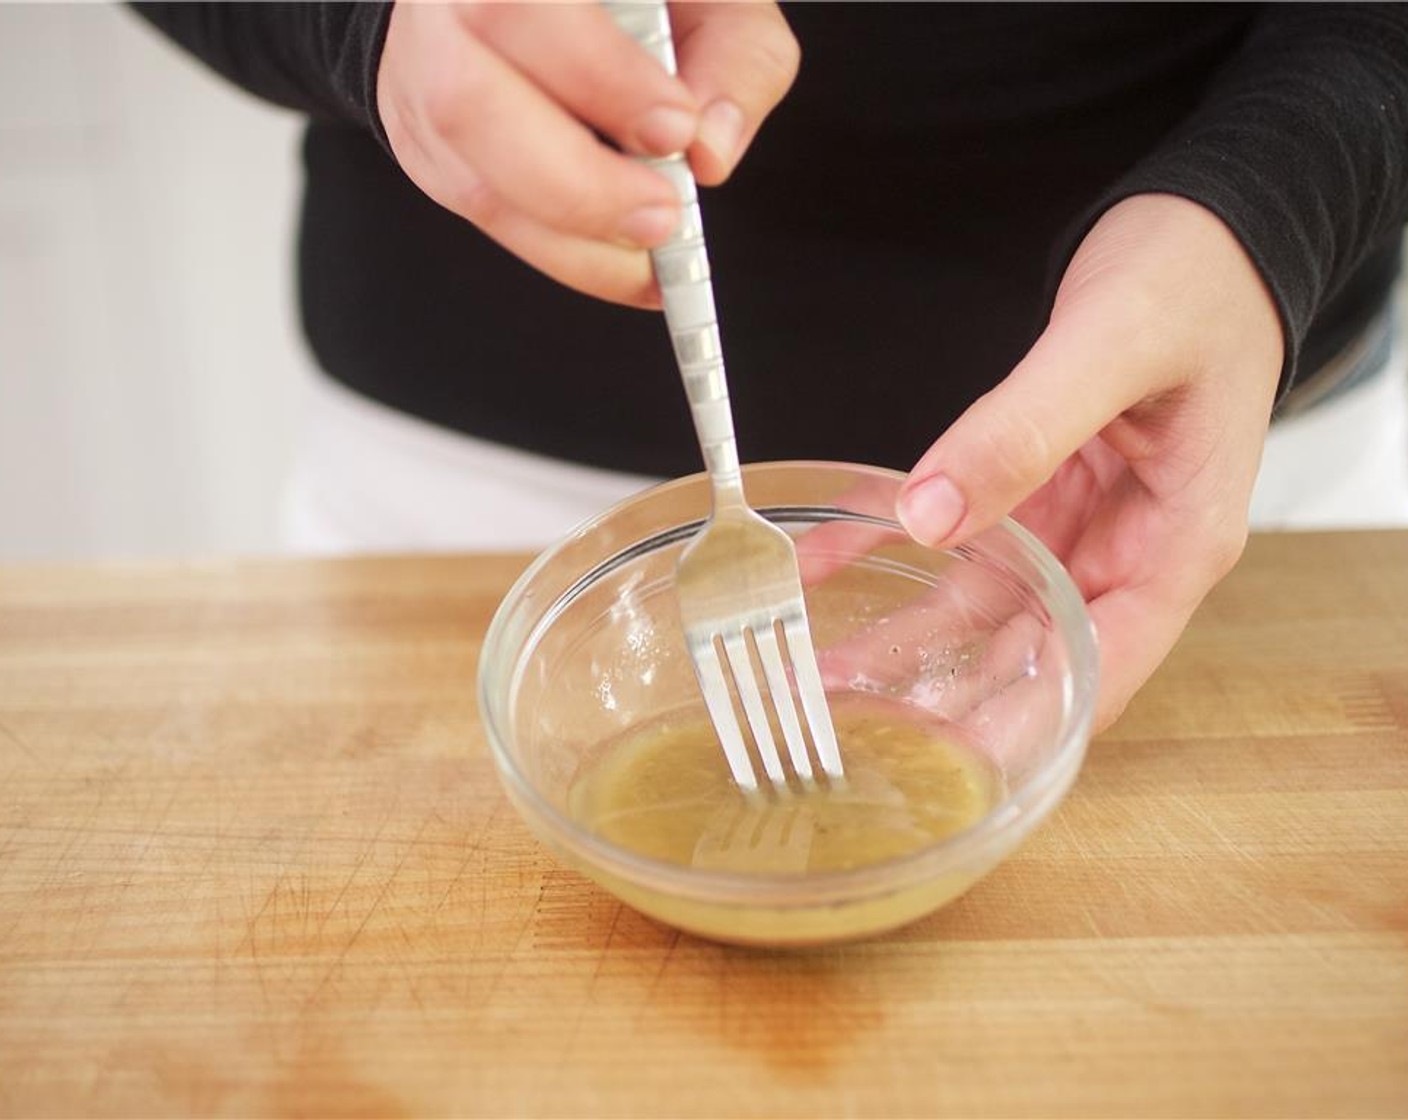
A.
x: 682, y: 271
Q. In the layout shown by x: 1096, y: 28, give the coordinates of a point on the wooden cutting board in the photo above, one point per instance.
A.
x: 254, y: 862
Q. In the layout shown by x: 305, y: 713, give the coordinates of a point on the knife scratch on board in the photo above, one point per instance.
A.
x: 24, y: 748
x: 1229, y: 843
x: 376, y: 902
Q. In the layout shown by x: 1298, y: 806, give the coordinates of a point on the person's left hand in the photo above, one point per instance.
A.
x: 1129, y: 437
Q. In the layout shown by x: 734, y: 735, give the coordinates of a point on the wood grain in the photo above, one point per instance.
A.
x: 254, y: 862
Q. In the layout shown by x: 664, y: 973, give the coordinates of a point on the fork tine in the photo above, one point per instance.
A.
x: 770, y: 654
x: 771, y: 830
x: 714, y: 686
x: 747, y: 685
x: 761, y: 555
x: 812, y: 692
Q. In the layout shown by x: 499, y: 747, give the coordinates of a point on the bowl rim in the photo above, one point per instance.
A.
x: 1011, y: 818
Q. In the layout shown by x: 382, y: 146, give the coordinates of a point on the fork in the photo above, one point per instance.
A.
x: 758, y: 838
x: 738, y: 585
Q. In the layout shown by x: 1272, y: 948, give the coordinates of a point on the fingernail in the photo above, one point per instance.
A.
x: 666, y: 130
x: 931, y: 510
x: 650, y: 225
x: 721, y: 131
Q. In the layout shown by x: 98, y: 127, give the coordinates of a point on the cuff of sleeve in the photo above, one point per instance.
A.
x: 360, y: 41
x: 372, y: 67
x: 1250, y: 229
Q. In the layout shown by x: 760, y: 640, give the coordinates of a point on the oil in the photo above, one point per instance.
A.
x: 663, y: 789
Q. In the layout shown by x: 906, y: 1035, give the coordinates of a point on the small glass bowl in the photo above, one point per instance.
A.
x: 991, y: 637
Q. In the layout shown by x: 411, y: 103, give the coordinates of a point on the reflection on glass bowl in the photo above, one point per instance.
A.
x: 963, y: 683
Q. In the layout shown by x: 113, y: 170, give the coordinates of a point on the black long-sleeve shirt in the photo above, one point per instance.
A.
x: 888, y: 248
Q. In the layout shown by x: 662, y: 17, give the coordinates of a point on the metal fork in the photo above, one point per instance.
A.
x: 760, y: 837
x: 738, y: 585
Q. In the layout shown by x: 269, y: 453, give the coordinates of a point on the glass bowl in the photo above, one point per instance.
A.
x: 990, y: 640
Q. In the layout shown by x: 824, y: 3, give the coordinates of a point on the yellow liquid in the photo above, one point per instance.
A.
x: 664, y: 790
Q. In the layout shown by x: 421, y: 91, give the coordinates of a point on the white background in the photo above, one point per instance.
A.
x: 150, y: 361
x: 151, y: 366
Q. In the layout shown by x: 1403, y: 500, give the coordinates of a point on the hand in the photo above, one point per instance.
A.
x: 1129, y: 437
x: 491, y: 109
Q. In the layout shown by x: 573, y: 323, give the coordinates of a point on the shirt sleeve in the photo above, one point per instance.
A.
x: 1301, y: 146
x: 319, y: 58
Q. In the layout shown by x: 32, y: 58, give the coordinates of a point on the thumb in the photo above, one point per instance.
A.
x: 738, y: 60
x: 1082, y: 373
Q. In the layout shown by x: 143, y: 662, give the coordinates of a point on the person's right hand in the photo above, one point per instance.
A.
x: 493, y: 110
